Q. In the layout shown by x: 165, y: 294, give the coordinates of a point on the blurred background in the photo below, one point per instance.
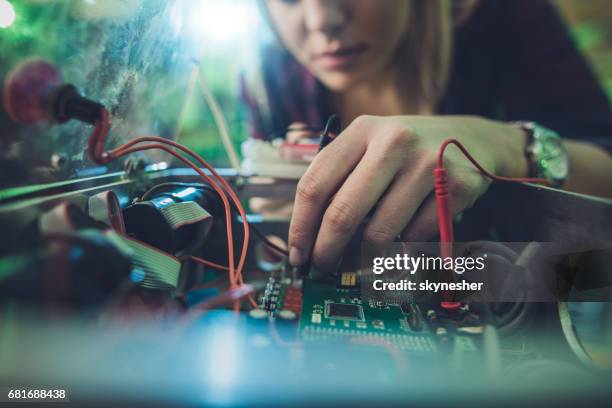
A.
x: 140, y: 58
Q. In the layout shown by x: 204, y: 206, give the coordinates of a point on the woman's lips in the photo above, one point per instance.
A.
x: 340, y: 57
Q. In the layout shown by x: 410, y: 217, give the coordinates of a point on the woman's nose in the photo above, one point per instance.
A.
x: 328, y: 16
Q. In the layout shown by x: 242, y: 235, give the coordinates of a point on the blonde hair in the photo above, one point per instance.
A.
x: 430, y: 44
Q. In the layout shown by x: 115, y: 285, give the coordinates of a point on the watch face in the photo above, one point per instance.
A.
x: 553, y: 158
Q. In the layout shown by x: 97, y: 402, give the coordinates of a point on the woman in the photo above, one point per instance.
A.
x: 404, y: 75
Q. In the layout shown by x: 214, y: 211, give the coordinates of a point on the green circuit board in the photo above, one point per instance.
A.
x: 330, y: 313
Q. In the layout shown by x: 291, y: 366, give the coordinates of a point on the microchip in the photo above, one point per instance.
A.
x: 348, y: 279
x: 343, y: 311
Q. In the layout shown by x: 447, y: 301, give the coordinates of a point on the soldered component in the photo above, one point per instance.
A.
x: 270, y: 298
x: 344, y: 311
x: 348, y: 279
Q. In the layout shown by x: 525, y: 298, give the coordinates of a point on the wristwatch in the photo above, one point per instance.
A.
x: 545, y: 153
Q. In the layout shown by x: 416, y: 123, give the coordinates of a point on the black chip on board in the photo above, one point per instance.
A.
x: 344, y: 311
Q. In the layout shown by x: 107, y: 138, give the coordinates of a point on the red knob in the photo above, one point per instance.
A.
x: 29, y: 90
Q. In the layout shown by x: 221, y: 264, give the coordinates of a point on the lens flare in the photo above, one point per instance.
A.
x: 7, y: 14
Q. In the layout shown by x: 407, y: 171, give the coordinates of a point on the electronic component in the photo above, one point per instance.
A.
x: 152, y: 268
x: 330, y: 313
x: 281, y: 294
x: 272, y: 294
x: 343, y: 311
x: 348, y: 280
x: 171, y: 219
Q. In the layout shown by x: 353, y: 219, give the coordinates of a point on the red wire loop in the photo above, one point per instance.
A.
x: 443, y: 199
x: 443, y: 203
x: 96, y: 152
x: 482, y: 169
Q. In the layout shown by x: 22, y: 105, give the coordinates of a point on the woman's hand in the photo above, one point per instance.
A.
x: 389, y: 162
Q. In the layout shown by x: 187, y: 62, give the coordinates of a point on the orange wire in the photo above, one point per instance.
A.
x: 122, y: 151
x: 96, y: 146
x: 222, y: 181
x: 224, y: 268
x: 96, y: 151
x: 205, y: 262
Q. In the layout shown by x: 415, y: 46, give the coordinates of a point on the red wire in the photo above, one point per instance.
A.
x: 96, y: 151
x: 224, y: 183
x: 205, y: 262
x: 237, y: 277
x: 122, y: 151
x: 443, y: 196
x: 482, y: 169
x: 445, y: 215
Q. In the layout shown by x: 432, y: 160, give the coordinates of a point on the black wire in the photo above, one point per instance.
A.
x: 332, y: 127
x: 256, y: 230
x: 269, y: 243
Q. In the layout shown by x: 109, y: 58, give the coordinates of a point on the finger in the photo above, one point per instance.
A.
x: 399, y: 204
x: 464, y: 188
x: 316, y: 187
x: 356, y: 197
x: 424, y: 224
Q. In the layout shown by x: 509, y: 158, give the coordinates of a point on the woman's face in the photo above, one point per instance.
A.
x: 342, y: 42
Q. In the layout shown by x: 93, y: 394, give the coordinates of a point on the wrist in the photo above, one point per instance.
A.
x: 512, y: 161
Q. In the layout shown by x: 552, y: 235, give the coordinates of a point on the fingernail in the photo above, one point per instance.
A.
x: 295, y: 257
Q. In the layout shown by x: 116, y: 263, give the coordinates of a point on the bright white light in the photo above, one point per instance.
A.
x: 222, y: 20
x: 7, y: 14
x: 222, y: 359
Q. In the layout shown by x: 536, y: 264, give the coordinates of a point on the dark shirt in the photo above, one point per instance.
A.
x: 513, y: 60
